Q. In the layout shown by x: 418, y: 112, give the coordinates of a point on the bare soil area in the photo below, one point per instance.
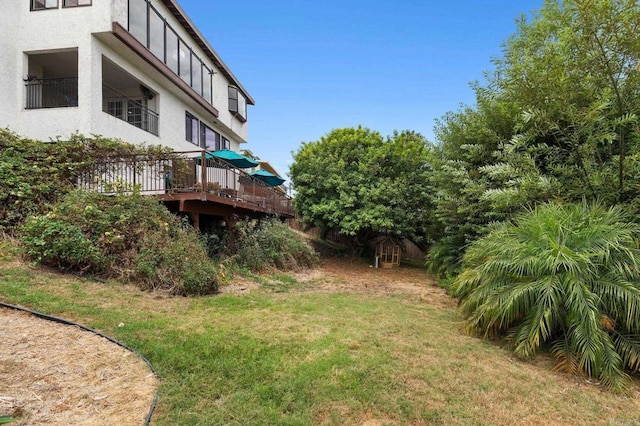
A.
x: 346, y: 275
x: 57, y: 374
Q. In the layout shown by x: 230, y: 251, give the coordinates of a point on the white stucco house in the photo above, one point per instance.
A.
x: 141, y: 71
x: 138, y: 70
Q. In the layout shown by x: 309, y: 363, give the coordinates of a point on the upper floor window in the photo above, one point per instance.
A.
x: 53, y: 4
x: 207, y: 84
x: 151, y: 29
x: 191, y: 129
x: 237, y: 103
x: 138, y: 20
x: 206, y: 138
x: 156, y: 34
x: 74, y: 3
x: 209, y: 138
x: 184, y: 62
x: 172, y: 53
x: 44, y: 4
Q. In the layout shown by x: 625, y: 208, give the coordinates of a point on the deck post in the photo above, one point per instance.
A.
x: 203, y: 171
x: 195, y: 218
x: 231, y: 221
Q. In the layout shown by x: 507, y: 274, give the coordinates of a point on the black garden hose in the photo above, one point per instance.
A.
x: 147, y: 420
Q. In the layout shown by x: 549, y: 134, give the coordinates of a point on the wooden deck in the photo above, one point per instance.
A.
x: 192, y: 183
x: 219, y: 205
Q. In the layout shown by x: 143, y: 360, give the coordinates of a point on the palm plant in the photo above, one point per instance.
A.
x: 563, y: 277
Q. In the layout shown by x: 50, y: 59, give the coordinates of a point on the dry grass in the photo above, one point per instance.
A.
x: 57, y: 374
x: 345, y: 344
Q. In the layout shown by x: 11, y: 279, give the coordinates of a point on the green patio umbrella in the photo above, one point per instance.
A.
x: 267, y: 177
x: 233, y: 158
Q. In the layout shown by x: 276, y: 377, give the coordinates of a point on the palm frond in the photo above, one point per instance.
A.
x: 565, y: 354
x: 566, y: 275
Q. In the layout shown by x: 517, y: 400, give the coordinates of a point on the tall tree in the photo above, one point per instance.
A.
x: 573, y: 71
x: 469, y: 140
x: 555, y: 121
x: 356, y: 182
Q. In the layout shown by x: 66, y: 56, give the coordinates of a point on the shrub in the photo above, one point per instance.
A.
x: 62, y: 245
x: 566, y: 277
x: 444, y: 257
x: 217, y: 242
x: 271, y: 244
x: 130, y: 237
x: 35, y: 175
x: 181, y: 266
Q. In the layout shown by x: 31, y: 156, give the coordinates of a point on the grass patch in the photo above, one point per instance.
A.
x: 297, y: 358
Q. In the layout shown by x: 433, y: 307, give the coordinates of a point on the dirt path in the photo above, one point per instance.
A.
x: 345, y: 275
x: 353, y: 276
x: 55, y: 374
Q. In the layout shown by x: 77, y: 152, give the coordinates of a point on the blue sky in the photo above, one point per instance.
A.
x: 313, y: 66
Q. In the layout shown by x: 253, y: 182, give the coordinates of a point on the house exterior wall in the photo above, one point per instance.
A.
x: 88, y: 30
x: 9, y: 66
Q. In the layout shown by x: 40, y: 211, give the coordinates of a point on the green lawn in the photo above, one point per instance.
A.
x: 299, y: 353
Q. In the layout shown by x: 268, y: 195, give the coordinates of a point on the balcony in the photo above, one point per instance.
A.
x: 52, y: 92
x: 52, y: 79
x: 192, y: 182
x: 134, y: 112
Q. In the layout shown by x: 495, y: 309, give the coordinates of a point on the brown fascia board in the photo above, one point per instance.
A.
x: 130, y: 41
x: 193, y: 31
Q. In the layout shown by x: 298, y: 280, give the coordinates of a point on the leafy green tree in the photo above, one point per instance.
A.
x: 556, y: 121
x: 565, y: 277
x: 573, y: 72
x: 354, y: 181
x: 468, y: 141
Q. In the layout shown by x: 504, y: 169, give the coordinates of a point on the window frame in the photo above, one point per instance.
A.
x: 203, y: 138
x: 116, y: 108
x: 239, y: 109
x: 200, y: 80
x: 194, y: 123
x: 189, y: 119
x: 33, y: 7
x: 134, y: 112
x: 64, y: 5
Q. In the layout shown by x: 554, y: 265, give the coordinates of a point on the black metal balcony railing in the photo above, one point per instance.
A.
x: 133, y: 112
x: 183, y: 173
x: 52, y: 93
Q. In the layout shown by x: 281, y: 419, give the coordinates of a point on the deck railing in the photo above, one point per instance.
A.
x: 132, y: 111
x: 190, y: 172
x: 52, y: 93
